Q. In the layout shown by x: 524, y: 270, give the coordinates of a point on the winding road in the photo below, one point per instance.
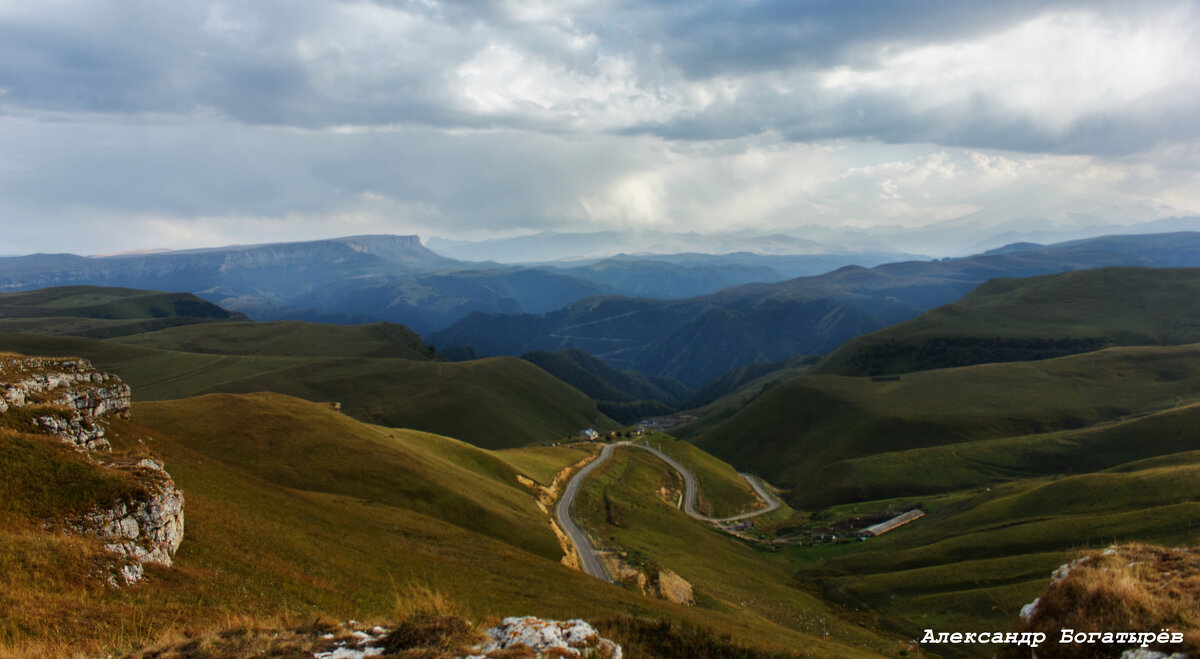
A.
x: 588, y: 561
x: 691, y: 491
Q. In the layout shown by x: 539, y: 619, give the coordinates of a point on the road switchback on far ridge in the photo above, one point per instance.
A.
x: 690, y: 490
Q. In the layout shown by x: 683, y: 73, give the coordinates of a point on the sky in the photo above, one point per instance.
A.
x: 135, y: 124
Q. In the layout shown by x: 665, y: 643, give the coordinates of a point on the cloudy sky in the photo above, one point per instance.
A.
x: 131, y: 124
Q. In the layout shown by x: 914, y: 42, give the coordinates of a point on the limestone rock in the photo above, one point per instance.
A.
x: 549, y: 638
x: 74, y: 395
x: 77, y: 430
x: 73, y: 400
x: 146, y: 530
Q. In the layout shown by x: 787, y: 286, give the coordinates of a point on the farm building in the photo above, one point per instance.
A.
x: 892, y: 524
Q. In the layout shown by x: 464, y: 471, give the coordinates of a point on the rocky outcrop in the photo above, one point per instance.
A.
x: 675, y: 588
x: 68, y: 396
x: 422, y: 636
x: 651, y: 580
x: 76, y: 429
x: 144, y: 530
x: 71, y: 400
x: 548, y: 638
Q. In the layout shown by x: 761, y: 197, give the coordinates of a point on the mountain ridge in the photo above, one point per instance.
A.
x: 698, y: 339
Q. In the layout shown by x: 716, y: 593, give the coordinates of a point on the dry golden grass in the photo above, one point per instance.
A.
x: 432, y: 625
x: 429, y: 627
x: 420, y: 599
x: 1131, y: 588
x: 244, y: 641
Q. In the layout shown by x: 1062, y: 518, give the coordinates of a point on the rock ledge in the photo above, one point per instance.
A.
x: 71, y: 400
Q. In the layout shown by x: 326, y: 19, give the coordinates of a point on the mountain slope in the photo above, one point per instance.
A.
x: 693, y: 341
x: 107, y: 303
x: 296, y: 513
x: 302, y: 446
x: 797, y: 431
x: 275, y: 271
x: 495, y: 402
x: 623, y: 506
x: 623, y: 395
x: 1038, y: 317
x: 288, y: 338
x: 980, y: 554
x: 103, y: 311
x: 395, y: 279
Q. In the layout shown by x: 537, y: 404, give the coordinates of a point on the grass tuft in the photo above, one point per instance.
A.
x: 1132, y: 588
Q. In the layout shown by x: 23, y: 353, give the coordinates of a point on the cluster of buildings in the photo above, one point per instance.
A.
x: 593, y: 435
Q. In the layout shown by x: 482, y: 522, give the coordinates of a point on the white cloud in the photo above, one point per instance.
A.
x: 1052, y: 70
x: 502, y: 80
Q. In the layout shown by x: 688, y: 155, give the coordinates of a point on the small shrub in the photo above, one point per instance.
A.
x: 428, y: 632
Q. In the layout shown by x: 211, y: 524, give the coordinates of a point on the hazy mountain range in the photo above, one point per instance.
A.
x: 691, y: 316
x: 957, y: 237
x: 397, y: 279
x: 698, y: 339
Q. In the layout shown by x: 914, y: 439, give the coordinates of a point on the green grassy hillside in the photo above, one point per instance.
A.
x: 980, y: 554
x: 102, y: 312
x: 107, y: 302
x: 296, y: 444
x: 296, y: 513
x: 624, y: 395
x: 494, y: 402
x: 46, y: 479
x: 1035, y: 318
x: 935, y: 469
x: 288, y: 338
x: 798, y: 430
x: 726, y: 405
x: 1017, y: 465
